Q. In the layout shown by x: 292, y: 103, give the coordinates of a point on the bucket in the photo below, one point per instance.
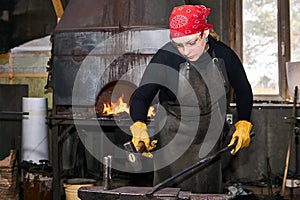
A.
x: 72, y: 186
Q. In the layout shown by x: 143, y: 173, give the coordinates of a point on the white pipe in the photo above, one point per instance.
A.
x: 35, y: 130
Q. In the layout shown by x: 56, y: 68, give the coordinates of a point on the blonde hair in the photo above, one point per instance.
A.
x: 214, y: 35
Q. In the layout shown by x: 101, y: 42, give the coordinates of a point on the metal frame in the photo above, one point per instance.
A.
x: 283, y: 45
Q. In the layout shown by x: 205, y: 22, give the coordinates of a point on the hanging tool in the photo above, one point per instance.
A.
x: 197, y: 164
x: 288, y: 153
x: 134, y: 154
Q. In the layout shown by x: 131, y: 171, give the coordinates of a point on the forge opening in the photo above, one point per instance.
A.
x: 114, y: 98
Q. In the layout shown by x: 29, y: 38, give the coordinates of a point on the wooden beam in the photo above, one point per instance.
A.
x: 232, y: 23
x: 59, y: 10
x: 10, y: 75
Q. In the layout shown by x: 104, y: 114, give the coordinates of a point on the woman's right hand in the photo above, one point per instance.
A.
x: 140, y: 134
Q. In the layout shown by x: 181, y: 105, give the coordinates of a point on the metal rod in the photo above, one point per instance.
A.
x: 13, y: 113
x: 288, y: 153
x: 56, y: 163
x: 203, y: 161
x: 197, y: 164
x: 63, y: 135
x: 107, y: 172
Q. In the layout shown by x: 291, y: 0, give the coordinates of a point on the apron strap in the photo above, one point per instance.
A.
x: 219, y: 62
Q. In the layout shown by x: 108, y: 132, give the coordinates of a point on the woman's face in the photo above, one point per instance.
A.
x: 191, y: 46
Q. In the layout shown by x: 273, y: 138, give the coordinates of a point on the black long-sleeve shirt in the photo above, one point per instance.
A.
x: 169, y: 56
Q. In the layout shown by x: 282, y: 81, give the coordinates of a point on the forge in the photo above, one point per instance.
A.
x: 100, y: 49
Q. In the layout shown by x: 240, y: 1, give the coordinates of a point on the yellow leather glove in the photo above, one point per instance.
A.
x: 140, y: 133
x: 242, y: 134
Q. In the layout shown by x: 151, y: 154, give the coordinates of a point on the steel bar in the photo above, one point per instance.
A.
x: 288, y: 153
x: 13, y: 113
x: 197, y: 164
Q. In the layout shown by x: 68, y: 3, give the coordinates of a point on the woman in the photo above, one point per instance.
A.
x: 192, y: 75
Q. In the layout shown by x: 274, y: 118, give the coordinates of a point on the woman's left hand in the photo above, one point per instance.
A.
x: 242, y: 135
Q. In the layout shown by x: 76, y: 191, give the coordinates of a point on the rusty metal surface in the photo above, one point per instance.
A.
x: 211, y: 197
x: 127, y: 193
x: 116, y: 13
x: 104, y: 64
x: 99, y: 31
x: 139, y: 193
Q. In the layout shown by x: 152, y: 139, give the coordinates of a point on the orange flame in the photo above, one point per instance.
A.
x: 120, y: 106
x: 151, y: 112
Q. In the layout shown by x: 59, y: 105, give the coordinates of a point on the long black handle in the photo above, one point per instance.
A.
x: 197, y: 164
x: 13, y: 113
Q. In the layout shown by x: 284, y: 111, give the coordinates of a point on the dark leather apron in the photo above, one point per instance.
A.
x: 187, y: 130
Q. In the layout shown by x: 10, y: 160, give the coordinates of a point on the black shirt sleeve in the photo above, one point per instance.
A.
x: 156, y: 76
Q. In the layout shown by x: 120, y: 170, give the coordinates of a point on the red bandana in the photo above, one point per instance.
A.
x: 188, y: 20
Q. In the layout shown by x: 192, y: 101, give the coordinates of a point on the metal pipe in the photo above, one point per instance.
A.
x: 107, y: 172
x: 13, y: 113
